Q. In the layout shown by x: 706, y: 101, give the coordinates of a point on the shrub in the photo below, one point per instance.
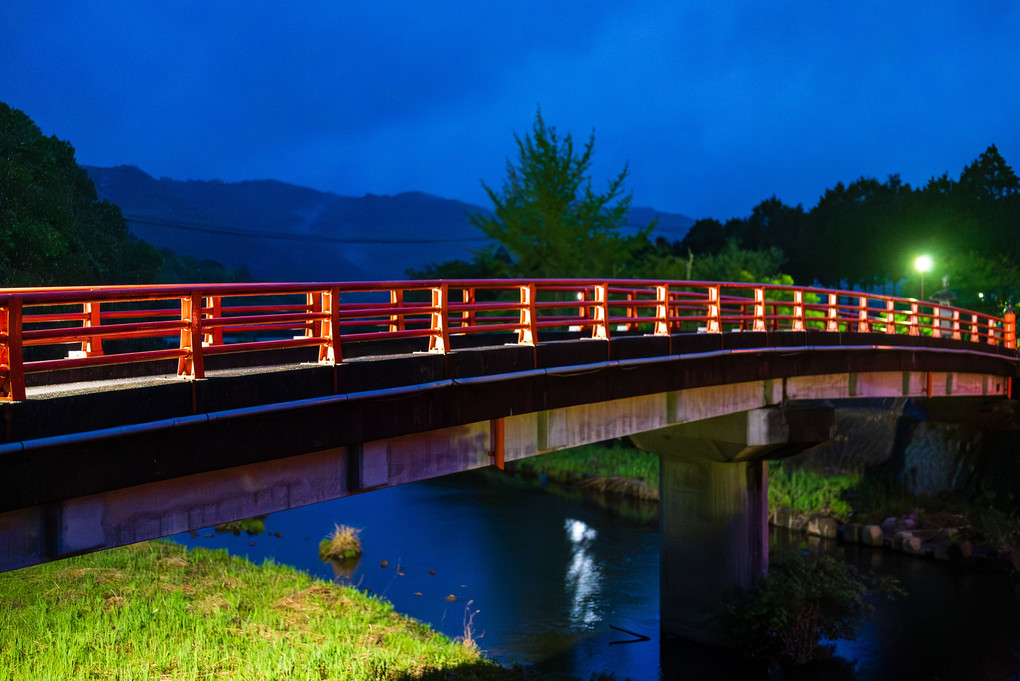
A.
x: 804, y: 600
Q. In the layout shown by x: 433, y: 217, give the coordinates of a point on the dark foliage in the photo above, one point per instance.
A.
x: 53, y: 228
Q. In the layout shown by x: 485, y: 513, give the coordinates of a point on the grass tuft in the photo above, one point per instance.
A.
x: 341, y: 546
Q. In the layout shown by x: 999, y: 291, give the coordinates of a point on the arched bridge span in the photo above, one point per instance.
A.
x: 135, y: 413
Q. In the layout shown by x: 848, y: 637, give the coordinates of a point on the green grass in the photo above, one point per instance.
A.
x: 616, y: 459
x: 810, y: 492
x: 157, y: 611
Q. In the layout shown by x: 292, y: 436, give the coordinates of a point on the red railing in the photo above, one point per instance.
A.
x: 64, y: 328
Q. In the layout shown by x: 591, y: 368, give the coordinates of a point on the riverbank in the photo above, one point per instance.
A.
x: 159, y: 611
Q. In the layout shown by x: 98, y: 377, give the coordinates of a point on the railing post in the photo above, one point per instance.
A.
x: 631, y: 311
x: 890, y: 316
x: 192, y: 364
x: 467, y: 296
x: 601, y: 328
x: 12, y: 383
x: 798, y: 311
x: 759, y: 309
x: 975, y: 329
x: 831, y: 314
x: 527, y: 334
x: 397, y: 301
x: 1009, y: 329
x: 714, y: 322
x: 661, y: 310
x: 915, y: 329
x: 936, y: 322
x: 329, y: 328
x: 94, y: 344
x: 863, y: 324
x: 214, y: 305
x: 439, y: 341
x: 956, y: 325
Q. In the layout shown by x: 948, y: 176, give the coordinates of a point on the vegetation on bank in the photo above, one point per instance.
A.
x: 158, y: 611
x: 612, y: 466
x: 809, y: 492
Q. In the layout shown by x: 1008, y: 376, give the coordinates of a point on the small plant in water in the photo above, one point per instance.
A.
x: 340, y: 546
x: 469, y: 639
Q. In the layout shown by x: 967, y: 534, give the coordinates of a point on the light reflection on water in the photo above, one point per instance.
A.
x: 584, y: 576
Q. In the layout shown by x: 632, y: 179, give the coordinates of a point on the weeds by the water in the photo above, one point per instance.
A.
x: 810, y: 492
x: 605, y: 461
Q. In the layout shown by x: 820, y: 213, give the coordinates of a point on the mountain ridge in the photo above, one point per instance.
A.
x: 328, y: 236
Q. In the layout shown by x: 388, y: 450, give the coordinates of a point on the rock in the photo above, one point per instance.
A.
x: 822, y: 526
x: 912, y: 545
x: 960, y: 550
x: 900, y: 538
x: 1012, y: 559
x: 783, y: 517
x: 907, y: 542
x: 851, y: 533
x: 890, y: 526
x: 939, y: 545
x: 871, y: 535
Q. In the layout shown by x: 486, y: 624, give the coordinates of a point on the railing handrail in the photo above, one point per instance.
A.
x: 196, y: 316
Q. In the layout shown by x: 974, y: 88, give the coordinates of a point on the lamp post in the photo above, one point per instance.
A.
x: 923, y: 264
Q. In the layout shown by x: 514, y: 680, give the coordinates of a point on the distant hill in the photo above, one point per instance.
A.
x: 285, y: 232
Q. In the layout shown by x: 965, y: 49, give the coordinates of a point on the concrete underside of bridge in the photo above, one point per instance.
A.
x: 713, y: 418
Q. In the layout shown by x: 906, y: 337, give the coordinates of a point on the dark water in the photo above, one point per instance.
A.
x: 550, y: 580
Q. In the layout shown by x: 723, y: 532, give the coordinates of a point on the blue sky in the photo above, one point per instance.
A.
x: 714, y: 105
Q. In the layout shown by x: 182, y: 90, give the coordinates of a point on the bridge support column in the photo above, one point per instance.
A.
x: 714, y: 521
x: 713, y: 507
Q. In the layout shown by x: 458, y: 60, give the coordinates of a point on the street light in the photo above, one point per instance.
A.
x: 923, y: 264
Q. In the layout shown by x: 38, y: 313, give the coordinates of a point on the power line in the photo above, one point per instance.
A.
x: 285, y: 236
x: 289, y: 236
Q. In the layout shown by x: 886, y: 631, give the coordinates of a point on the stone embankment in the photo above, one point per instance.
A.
x: 904, y: 534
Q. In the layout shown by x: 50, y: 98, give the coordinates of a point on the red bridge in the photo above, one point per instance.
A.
x: 138, y: 412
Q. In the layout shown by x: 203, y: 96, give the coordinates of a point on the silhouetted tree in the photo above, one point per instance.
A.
x: 549, y: 219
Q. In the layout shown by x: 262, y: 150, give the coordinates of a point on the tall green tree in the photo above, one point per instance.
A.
x: 549, y: 219
x: 53, y: 227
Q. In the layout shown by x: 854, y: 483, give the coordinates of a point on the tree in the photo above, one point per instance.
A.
x: 705, y: 236
x: 548, y: 218
x: 989, y: 177
x: 53, y: 227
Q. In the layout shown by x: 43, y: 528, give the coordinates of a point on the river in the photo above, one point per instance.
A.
x: 549, y: 579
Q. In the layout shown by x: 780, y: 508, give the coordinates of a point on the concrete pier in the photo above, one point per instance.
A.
x: 714, y: 520
x: 713, y: 507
